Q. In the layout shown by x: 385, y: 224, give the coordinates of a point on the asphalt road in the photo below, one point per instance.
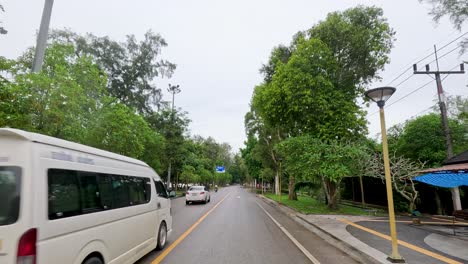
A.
x: 406, y: 233
x: 239, y: 231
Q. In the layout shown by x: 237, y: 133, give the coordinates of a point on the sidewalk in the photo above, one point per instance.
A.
x: 366, y: 238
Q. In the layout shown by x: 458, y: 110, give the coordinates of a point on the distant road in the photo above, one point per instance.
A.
x: 239, y: 231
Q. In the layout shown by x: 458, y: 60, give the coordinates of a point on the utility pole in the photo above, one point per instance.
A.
x: 174, y: 89
x: 42, y: 36
x: 443, y: 113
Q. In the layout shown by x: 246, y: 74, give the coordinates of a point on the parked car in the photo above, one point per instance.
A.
x: 197, y: 194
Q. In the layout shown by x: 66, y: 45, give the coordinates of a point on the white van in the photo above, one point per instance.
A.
x: 62, y: 202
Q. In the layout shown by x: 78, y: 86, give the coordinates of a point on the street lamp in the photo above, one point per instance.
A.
x: 380, y: 95
x: 174, y: 89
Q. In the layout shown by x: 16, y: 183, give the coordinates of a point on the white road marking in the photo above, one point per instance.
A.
x: 286, y: 232
x: 238, y: 196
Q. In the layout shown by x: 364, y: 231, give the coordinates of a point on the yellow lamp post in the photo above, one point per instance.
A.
x: 380, y: 96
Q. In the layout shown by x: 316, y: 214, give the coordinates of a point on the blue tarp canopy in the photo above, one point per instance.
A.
x: 447, y: 179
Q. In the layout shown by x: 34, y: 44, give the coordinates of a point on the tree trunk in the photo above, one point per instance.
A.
x: 331, y: 191
x: 412, y: 206
x: 292, y: 193
x: 277, y: 189
x: 438, y: 203
x: 362, y: 191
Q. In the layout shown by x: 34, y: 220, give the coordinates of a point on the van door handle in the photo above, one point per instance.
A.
x: 159, y: 205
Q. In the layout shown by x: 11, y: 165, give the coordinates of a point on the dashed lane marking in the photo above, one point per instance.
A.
x: 185, y: 234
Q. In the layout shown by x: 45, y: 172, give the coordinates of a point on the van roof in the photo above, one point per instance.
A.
x: 34, y: 137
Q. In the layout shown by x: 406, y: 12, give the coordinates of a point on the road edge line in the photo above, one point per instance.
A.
x: 171, y: 247
x: 403, y: 243
x: 291, y: 237
x: 354, y: 252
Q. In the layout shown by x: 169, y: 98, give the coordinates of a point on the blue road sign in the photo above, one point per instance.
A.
x: 220, y: 169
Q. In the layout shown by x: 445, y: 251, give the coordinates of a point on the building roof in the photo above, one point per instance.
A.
x: 448, y: 168
x: 457, y: 159
x: 444, y: 179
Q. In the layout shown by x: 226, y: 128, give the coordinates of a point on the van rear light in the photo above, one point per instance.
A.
x: 202, y: 193
x: 187, y: 193
x: 27, y: 248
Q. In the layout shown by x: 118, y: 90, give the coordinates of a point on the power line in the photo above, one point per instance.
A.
x: 462, y: 35
x: 406, y: 95
x: 429, y: 55
x: 456, y: 66
x: 417, y: 89
x: 425, y: 110
x: 410, y: 93
x: 445, y: 54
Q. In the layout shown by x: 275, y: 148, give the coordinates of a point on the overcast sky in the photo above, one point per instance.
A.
x: 219, y: 45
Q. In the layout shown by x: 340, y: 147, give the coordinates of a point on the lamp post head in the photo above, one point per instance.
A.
x: 380, y: 95
x: 174, y: 89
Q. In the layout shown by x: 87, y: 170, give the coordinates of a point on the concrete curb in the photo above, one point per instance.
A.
x: 350, y: 250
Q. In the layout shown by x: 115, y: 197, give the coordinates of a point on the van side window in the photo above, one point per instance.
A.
x: 105, y: 191
x: 160, y: 190
x: 64, y: 195
x: 90, y: 199
x: 77, y: 192
x: 136, y: 189
x: 120, y: 190
x: 147, y: 188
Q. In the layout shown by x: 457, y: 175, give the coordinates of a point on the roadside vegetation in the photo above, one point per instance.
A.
x: 103, y: 93
x: 306, y: 127
x: 309, y: 205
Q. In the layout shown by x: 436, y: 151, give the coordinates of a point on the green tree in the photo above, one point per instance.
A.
x: 264, y: 149
x: 360, y: 40
x: 253, y: 165
x: 173, y: 125
x: 238, y: 169
x: 457, y: 107
x: 3, y: 31
x: 68, y: 99
x: 116, y: 127
x: 422, y: 139
x: 314, y: 160
x: 402, y: 172
x: 312, y: 86
x: 188, y: 175
x: 456, y: 10
x: 131, y: 66
x: 59, y: 100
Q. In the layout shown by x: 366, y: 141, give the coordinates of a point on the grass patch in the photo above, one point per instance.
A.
x: 309, y: 205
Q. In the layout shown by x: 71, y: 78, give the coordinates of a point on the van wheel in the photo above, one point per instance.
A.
x: 162, y: 236
x: 93, y: 260
x: 186, y: 202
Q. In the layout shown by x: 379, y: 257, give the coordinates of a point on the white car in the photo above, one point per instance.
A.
x: 197, y: 194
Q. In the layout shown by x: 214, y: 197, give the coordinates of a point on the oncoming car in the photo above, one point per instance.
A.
x: 197, y: 194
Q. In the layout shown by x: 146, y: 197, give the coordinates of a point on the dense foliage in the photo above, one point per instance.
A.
x: 96, y: 91
x: 310, y: 95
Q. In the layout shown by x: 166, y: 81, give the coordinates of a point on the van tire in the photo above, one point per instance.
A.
x: 162, y: 236
x: 93, y: 260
